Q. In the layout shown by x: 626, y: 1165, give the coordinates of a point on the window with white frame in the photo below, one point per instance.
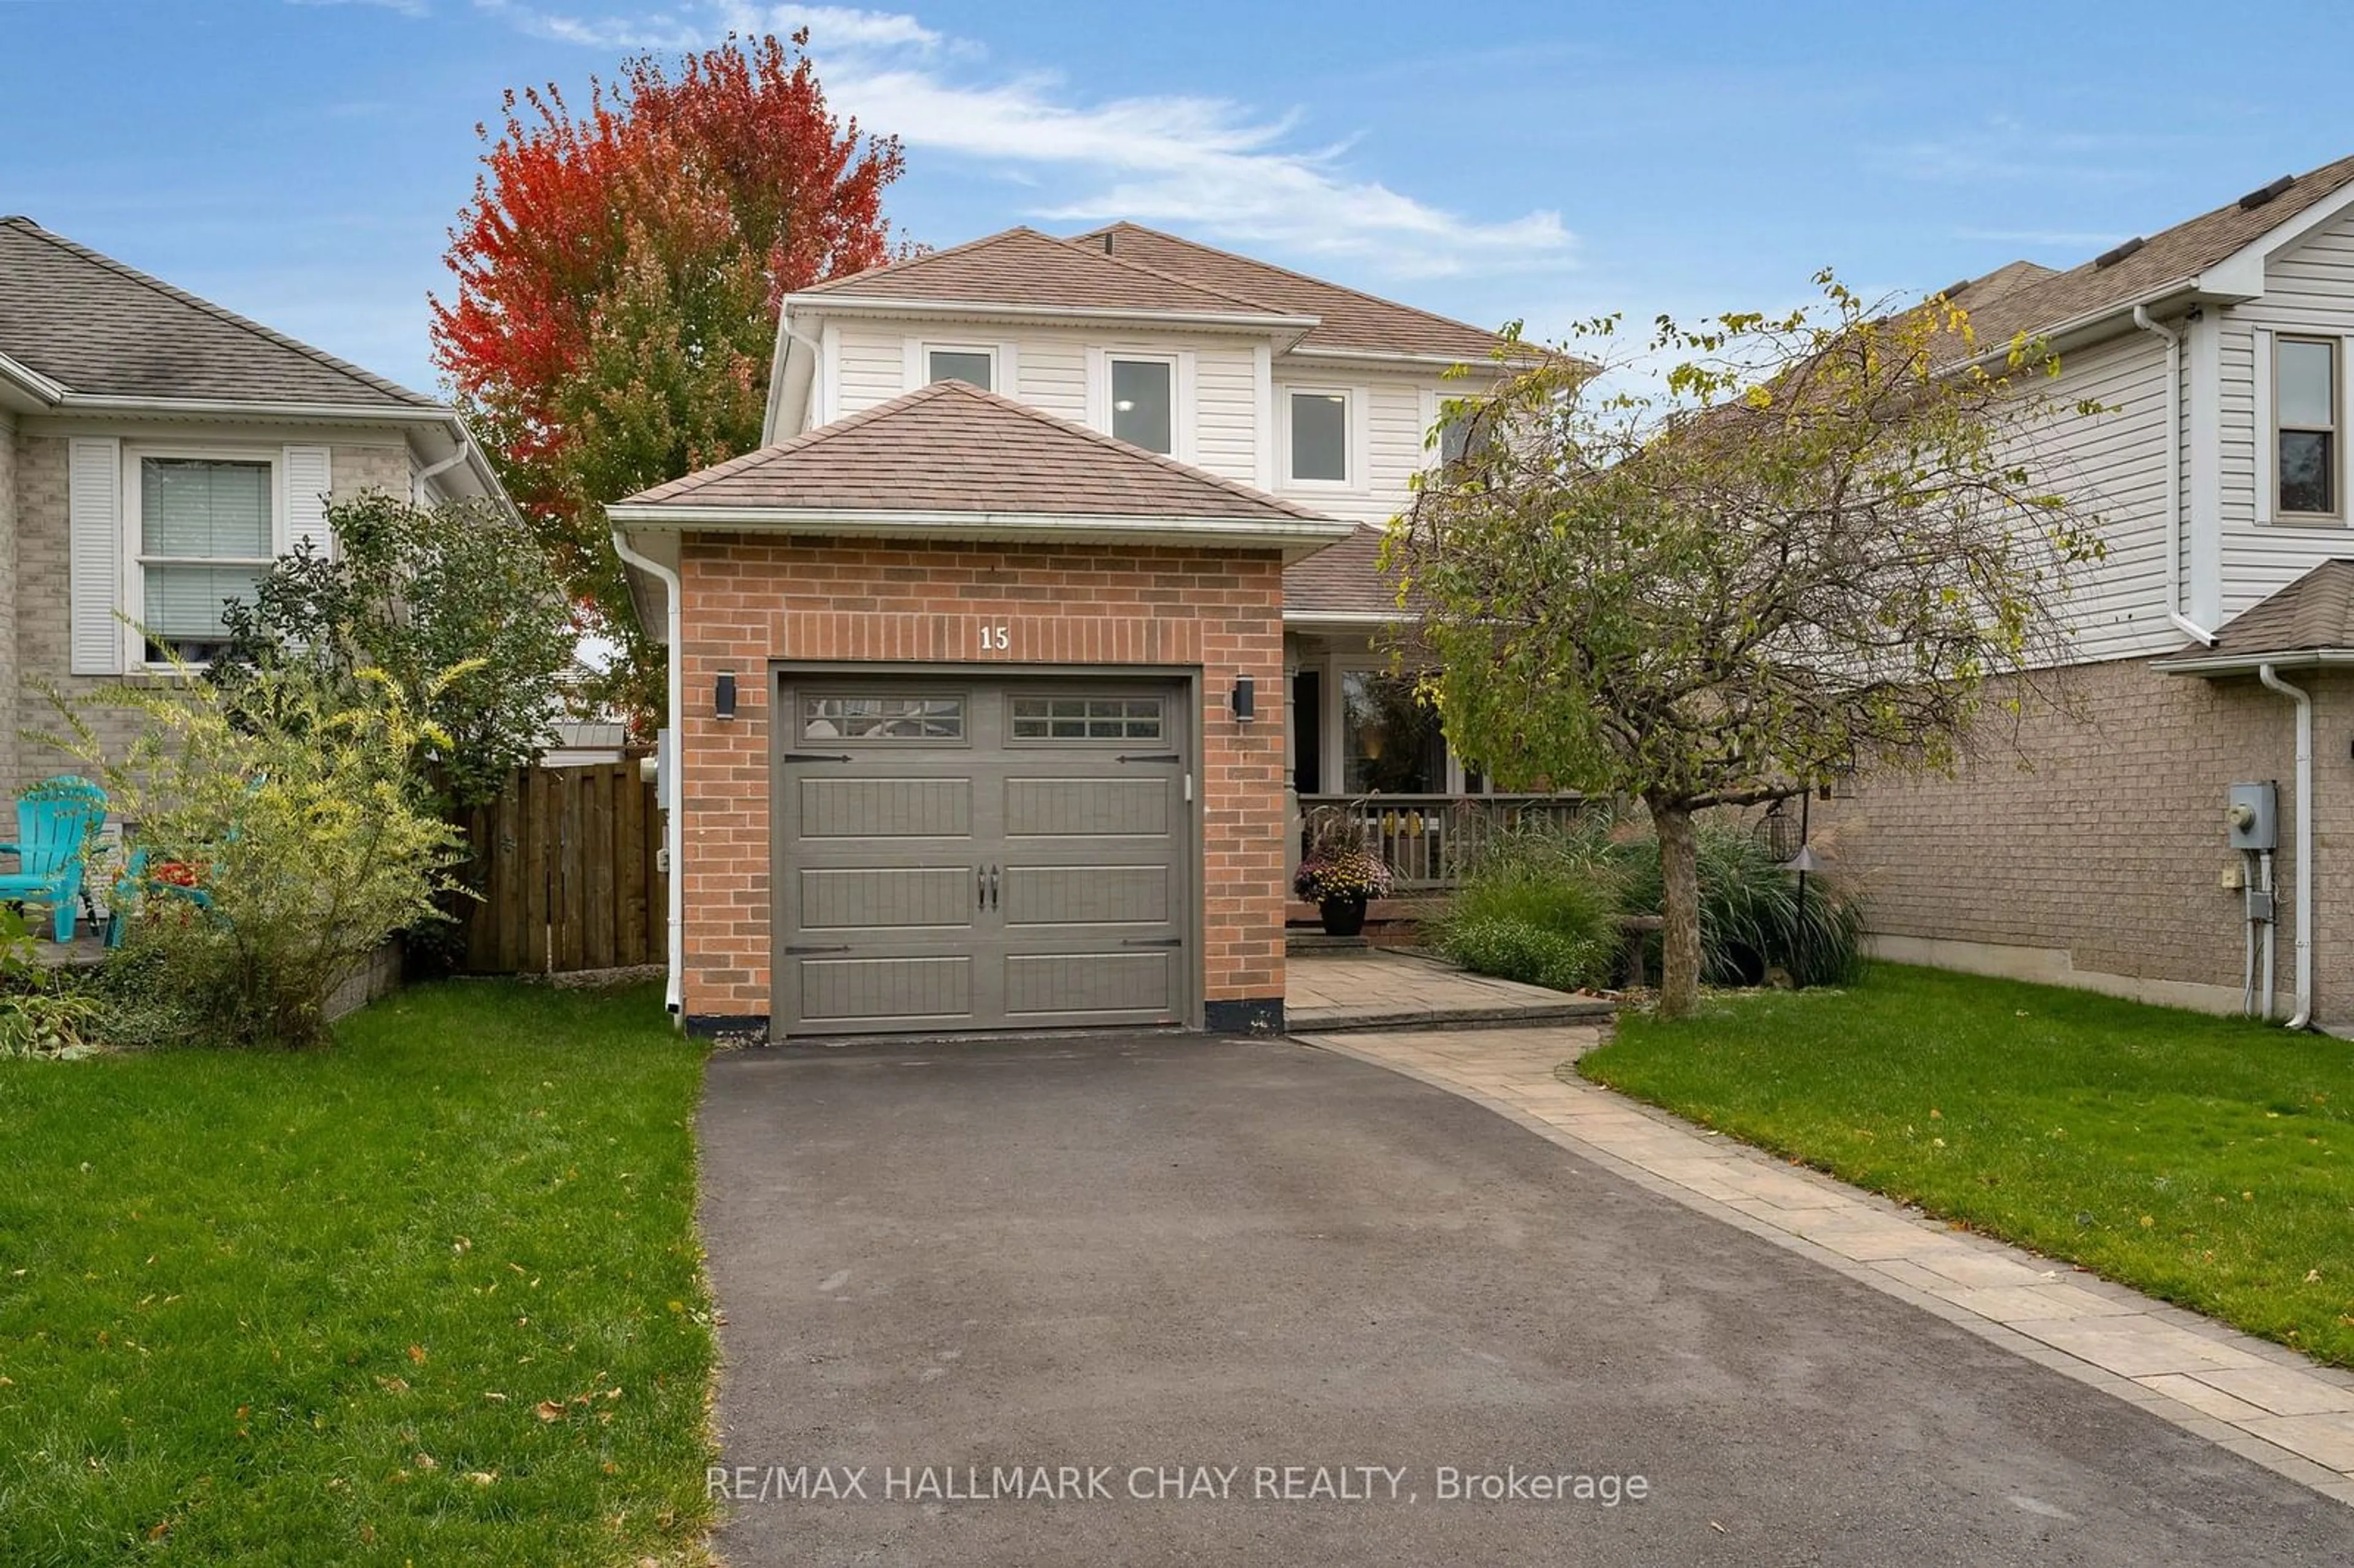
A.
x: 207, y: 532
x: 2306, y: 416
x: 975, y: 366
x: 1144, y: 403
x: 1319, y: 425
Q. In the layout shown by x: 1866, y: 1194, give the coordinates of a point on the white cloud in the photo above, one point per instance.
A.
x: 405, y: 7
x: 1210, y: 165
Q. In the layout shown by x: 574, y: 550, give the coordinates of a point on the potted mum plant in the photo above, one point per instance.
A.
x: 1338, y: 875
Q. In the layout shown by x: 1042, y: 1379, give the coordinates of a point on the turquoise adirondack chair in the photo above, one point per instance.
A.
x: 55, y: 821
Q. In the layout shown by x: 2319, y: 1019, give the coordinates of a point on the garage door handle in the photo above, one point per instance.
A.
x: 981, y: 887
x: 1151, y: 756
x: 796, y: 952
x: 1154, y: 942
x: 816, y: 757
x: 992, y: 887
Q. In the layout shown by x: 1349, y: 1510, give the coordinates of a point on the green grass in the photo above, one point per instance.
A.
x: 304, y: 1308
x: 2206, y: 1161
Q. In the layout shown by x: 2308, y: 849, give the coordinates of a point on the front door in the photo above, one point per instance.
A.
x: 953, y: 855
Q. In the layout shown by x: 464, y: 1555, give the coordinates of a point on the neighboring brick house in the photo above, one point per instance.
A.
x: 993, y: 674
x: 2095, y: 851
x: 156, y: 452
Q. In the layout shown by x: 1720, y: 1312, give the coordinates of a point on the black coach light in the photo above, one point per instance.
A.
x: 723, y: 697
x: 1245, y: 700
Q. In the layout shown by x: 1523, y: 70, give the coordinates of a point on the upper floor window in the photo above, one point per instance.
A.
x: 1144, y: 403
x: 1319, y: 437
x: 206, y: 535
x: 2306, y: 400
x: 977, y: 366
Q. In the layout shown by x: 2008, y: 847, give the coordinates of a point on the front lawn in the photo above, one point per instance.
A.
x: 2206, y: 1161
x: 432, y: 1295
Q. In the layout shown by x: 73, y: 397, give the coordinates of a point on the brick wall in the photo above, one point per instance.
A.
x: 2088, y: 847
x: 8, y: 673
x: 42, y: 644
x: 749, y: 600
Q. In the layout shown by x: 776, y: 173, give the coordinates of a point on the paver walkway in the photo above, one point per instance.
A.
x: 1387, y: 990
x: 2247, y: 1394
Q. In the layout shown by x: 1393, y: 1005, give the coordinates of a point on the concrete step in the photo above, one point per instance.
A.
x: 1511, y: 1016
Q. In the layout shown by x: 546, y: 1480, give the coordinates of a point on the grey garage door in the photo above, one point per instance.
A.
x: 955, y: 855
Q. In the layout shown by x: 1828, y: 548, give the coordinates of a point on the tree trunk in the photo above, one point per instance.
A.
x: 1679, y: 907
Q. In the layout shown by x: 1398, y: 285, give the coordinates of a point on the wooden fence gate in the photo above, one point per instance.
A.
x: 565, y: 861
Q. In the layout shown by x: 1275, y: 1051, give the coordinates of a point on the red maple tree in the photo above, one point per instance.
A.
x: 619, y: 277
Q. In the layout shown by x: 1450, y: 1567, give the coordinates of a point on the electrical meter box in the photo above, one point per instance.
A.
x: 2250, y: 817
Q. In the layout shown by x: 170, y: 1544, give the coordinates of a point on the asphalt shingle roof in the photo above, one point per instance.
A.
x: 2032, y: 305
x: 1346, y: 318
x: 98, y: 327
x: 1345, y: 579
x: 1129, y: 267
x: 1023, y: 267
x: 2314, y: 611
x: 950, y: 447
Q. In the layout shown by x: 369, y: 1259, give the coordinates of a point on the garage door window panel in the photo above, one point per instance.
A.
x: 1049, y: 719
x: 921, y: 720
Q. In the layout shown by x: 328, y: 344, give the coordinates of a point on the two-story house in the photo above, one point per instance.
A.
x: 2098, y: 844
x: 157, y: 452
x: 992, y: 671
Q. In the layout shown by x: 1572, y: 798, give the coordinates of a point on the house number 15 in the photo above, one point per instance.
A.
x: 994, y: 639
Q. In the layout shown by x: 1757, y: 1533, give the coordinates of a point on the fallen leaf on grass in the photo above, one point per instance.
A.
x: 548, y: 1410
x: 482, y: 1477
x: 393, y: 1385
x: 416, y: 1354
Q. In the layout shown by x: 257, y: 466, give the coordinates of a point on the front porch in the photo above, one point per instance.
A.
x: 1361, y: 745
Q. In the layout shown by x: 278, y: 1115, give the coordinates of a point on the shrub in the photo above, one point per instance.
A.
x: 418, y: 593
x: 40, y: 1013
x: 293, y: 805
x: 1751, y: 921
x: 1522, y: 950
x: 1540, y: 905
x: 1579, y: 881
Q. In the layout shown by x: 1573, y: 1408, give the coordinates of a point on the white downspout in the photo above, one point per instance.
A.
x: 673, y: 809
x: 2173, y: 340
x: 2304, y: 701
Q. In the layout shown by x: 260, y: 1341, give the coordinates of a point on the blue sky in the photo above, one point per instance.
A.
x: 301, y: 160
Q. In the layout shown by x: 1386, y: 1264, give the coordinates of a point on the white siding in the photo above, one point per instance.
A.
x: 871, y: 365
x: 2308, y: 290
x: 1230, y: 424
x: 2112, y: 465
x: 1227, y: 438
x: 1054, y: 374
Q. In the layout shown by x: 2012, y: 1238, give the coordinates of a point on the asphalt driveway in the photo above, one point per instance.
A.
x: 978, y: 1298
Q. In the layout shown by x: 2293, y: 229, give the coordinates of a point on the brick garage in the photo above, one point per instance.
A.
x: 1195, y: 598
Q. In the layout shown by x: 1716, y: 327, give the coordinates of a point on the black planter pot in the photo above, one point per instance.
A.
x: 1343, y: 917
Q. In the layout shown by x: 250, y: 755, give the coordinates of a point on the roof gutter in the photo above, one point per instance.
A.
x: 2173, y: 340
x: 785, y: 338
x: 32, y: 381
x: 2254, y: 664
x: 1288, y: 534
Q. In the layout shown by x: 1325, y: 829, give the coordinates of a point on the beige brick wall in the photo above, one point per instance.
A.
x: 8, y: 675
x: 2088, y: 848
x: 41, y: 642
x: 749, y: 600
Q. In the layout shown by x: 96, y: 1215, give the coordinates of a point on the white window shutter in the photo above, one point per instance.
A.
x: 2267, y: 438
x: 94, y: 550
x: 310, y: 478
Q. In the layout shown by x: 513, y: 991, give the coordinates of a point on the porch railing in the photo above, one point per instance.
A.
x: 1431, y: 840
